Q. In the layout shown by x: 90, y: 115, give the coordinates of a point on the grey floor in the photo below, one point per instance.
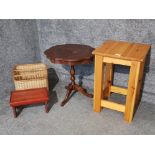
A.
x: 76, y: 117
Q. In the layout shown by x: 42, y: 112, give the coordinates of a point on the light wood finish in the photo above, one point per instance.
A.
x: 123, y: 50
x: 113, y: 105
x: 139, y: 85
x: 118, y: 90
x: 119, y: 53
x: 108, y: 78
x: 117, y: 61
x: 98, y: 80
x: 105, y: 93
x: 132, y: 90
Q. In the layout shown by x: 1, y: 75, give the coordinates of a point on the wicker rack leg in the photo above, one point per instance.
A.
x: 14, y: 112
x: 46, y: 107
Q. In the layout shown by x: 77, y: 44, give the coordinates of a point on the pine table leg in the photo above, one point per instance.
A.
x: 108, y: 78
x: 138, y: 96
x: 132, y: 90
x: 98, y: 80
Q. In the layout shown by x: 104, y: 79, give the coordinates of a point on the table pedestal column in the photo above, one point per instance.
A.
x: 73, y: 86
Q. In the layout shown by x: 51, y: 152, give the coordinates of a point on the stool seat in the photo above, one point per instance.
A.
x: 119, y: 53
x: 27, y: 97
x: 123, y: 50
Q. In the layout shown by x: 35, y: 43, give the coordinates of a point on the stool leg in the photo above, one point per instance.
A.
x: 132, y: 90
x: 14, y: 112
x: 108, y: 79
x: 139, y: 86
x: 46, y: 107
x: 98, y: 80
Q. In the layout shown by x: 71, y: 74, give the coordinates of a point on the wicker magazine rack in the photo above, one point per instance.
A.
x: 28, y: 76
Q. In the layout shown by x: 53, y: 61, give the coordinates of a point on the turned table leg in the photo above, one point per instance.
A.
x: 69, y: 91
x: 73, y: 86
x: 83, y: 91
x: 70, y: 87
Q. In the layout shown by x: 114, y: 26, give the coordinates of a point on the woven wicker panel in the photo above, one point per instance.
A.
x: 28, y: 76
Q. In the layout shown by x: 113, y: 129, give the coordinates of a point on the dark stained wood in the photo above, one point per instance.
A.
x: 71, y: 54
x: 28, y: 97
x: 73, y: 86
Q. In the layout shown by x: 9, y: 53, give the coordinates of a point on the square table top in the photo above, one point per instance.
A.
x: 21, y: 97
x: 123, y: 50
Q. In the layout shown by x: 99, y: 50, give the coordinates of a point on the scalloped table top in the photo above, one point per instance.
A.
x: 70, y: 54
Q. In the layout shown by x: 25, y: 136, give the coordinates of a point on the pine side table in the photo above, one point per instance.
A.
x: 119, y: 53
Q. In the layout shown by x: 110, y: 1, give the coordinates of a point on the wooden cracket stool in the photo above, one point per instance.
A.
x: 120, y: 53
